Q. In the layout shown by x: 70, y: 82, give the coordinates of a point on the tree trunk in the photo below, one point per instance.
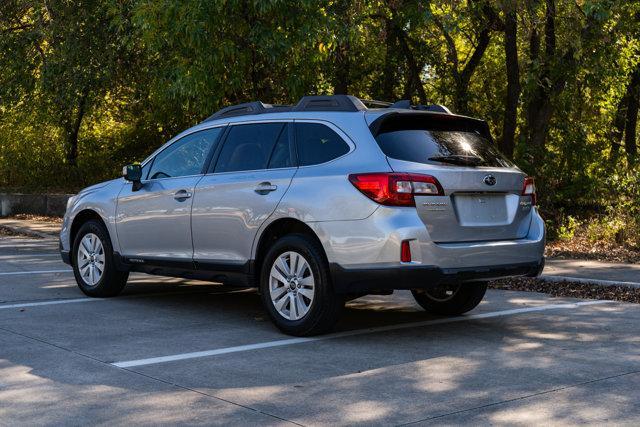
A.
x: 72, y: 130
x: 632, y: 117
x: 539, y: 107
x: 342, y: 66
x: 388, y: 78
x: 540, y: 125
x: 550, y: 29
x: 414, y: 83
x: 341, y: 53
x: 513, y: 83
x: 463, y: 79
x: 619, y: 122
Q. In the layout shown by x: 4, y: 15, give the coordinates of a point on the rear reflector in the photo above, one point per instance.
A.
x: 529, y: 189
x: 405, y: 251
x: 396, y: 189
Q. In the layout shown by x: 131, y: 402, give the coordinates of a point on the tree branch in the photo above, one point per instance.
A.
x: 451, y: 45
x: 476, y: 57
x: 17, y: 28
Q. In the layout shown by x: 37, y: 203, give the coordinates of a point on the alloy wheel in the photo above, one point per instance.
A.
x: 291, y: 285
x: 91, y: 259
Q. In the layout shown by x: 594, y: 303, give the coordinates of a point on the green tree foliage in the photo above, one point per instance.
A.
x: 87, y: 85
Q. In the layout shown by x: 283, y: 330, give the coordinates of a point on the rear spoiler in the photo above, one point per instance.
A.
x: 423, y: 120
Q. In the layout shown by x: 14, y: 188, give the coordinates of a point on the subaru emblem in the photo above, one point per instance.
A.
x: 490, y: 180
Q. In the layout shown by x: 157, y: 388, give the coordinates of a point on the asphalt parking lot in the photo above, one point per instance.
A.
x: 171, y: 351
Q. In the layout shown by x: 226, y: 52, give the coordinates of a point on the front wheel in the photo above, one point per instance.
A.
x: 296, y: 288
x: 451, y: 299
x: 93, y: 264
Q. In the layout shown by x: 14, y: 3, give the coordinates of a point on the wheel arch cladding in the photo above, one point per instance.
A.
x: 81, y: 218
x: 277, y: 229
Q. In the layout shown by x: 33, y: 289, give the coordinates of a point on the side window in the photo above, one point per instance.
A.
x: 145, y: 169
x: 186, y: 156
x: 281, y: 155
x: 249, y: 147
x: 317, y: 144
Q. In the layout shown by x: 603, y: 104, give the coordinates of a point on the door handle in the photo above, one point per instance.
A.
x: 265, y: 188
x: 182, y: 195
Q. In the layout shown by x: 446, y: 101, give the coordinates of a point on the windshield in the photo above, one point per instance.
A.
x: 441, y: 146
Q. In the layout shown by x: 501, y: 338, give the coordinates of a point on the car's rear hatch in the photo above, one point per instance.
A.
x: 482, y: 189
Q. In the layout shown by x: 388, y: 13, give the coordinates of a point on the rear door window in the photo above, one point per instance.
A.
x: 281, y: 156
x: 251, y: 146
x: 451, y: 147
x: 317, y: 143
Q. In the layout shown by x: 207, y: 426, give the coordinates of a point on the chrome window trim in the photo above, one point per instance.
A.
x: 170, y: 177
x: 343, y: 135
x: 177, y: 138
x: 168, y: 144
x: 251, y: 122
x: 250, y: 171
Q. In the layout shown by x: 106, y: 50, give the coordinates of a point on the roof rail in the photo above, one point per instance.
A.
x: 321, y: 103
x: 329, y: 103
x: 256, y: 107
x: 375, y: 103
x: 406, y: 104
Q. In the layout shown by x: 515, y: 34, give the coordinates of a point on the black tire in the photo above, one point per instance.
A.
x: 326, y: 307
x: 112, y: 281
x: 465, y: 297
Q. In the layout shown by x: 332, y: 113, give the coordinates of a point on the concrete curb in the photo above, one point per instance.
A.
x: 28, y: 232
x: 597, y: 282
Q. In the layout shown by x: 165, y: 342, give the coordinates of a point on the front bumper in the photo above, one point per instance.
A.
x: 65, y: 255
x: 358, y: 280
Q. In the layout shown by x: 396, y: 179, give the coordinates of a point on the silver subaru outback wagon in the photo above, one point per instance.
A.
x: 315, y: 204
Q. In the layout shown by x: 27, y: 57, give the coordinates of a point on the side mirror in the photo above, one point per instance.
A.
x: 133, y: 173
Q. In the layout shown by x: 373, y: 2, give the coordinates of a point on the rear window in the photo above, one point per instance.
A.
x: 318, y: 144
x: 450, y: 147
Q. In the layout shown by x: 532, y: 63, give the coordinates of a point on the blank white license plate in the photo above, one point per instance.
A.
x: 481, y: 209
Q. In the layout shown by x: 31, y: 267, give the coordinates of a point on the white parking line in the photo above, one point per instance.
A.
x: 291, y: 341
x: 41, y: 254
x: 60, y: 301
x: 125, y: 297
x: 17, y: 273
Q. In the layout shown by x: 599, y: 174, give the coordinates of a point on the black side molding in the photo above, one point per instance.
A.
x: 224, y: 272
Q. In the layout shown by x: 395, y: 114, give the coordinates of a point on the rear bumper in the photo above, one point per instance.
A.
x: 375, y: 242
x: 359, y: 280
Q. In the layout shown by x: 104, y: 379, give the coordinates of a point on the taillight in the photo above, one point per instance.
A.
x: 396, y: 189
x: 529, y: 189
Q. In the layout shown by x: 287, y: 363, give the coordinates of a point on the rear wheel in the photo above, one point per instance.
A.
x: 93, y: 264
x: 296, y: 287
x: 451, y: 299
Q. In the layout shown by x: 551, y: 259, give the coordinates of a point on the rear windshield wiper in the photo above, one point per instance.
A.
x: 458, y: 159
